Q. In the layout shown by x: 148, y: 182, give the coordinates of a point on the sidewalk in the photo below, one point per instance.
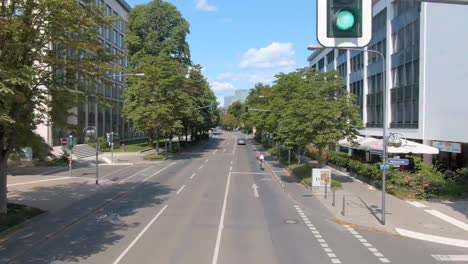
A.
x: 436, y: 221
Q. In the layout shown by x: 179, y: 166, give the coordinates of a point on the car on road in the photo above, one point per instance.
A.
x: 241, y: 141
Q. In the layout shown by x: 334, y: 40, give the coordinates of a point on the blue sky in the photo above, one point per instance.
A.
x: 242, y: 42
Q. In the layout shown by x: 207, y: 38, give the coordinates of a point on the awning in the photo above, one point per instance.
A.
x: 375, y: 144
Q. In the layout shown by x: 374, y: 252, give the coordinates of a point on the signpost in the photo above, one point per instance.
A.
x: 385, y: 167
x: 64, y: 141
x: 398, y: 162
x: 70, y: 162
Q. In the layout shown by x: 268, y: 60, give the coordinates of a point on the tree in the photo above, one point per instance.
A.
x: 155, y: 28
x: 158, y: 102
x: 44, y: 45
x: 236, y: 109
x: 229, y: 121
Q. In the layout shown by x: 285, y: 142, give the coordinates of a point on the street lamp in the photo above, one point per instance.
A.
x: 384, y: 119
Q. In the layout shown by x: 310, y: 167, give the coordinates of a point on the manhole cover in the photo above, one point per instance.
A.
x: 290, y: 221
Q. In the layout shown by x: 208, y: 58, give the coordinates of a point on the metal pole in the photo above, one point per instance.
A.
x: 344, y: 202
x: 333, y: 203
x: 71, y: 156
x: 384, y: 137
x: 326, y: 188
x: 112, y: 147
x: 97, y: 156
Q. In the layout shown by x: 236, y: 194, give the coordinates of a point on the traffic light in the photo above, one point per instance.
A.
x: 246, y: 109
x: 344, y: 23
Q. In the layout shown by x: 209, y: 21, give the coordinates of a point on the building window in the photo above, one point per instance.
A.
x: 379, y: 21
x: 357, y: 62
x: 121, y: 41
x: 373, y: 57
x: 108, y: 11
x: 321, y: 64
x: 402, y: 6
x: 405, y: 96
x: 115, y: 37
x: 331, y: 56
x: 375, y: 86
x: 342, y: 70
x: 357, y: 88
x: 341, y: 52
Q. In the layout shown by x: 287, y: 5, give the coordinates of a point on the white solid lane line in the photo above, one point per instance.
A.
x: 135, y: 174
x: 112, y: 172
x: 431, y: 238
x: 250, y: 173
x: 139, y: 236
x: 417, y: 204
x: 448, y: 219
x: 451, y: 257
x: 193, y: 176
x: 221, y: 223
x: 156, y: 173
x: 47, y: 180
x: 180, y: 190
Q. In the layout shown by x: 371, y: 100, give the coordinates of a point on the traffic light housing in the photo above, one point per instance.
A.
x: 344, y: 23
x: 246, y: 109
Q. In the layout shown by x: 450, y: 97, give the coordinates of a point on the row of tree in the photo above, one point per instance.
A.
x: 173, y: 98
x: 300, y: 108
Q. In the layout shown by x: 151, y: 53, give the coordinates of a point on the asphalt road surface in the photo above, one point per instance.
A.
x: 212, y: 204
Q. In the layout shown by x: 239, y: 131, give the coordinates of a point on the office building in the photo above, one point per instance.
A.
x: 239, y: 96
x: 426, y: 75
x: 107, y: 118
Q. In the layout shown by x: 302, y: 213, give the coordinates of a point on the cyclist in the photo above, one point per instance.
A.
x: 261, y: 157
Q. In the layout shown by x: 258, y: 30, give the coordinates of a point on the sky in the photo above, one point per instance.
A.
x: 243, y: 42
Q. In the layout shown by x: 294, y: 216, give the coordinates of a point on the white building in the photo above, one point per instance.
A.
x: 424, y: 44
x: 239, y: 96
x: 107, y: 119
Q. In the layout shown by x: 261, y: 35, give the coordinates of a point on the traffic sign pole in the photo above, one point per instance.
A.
x: 112, y: 147
x: 70, y: 145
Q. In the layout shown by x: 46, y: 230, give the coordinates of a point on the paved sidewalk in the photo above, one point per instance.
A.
x: 436, y: 221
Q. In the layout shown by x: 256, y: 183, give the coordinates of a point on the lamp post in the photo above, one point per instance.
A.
x: 384, y: 120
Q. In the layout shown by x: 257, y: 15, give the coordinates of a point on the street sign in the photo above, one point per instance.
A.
x: 384, y: 167
x: 399, y: 162
x: 64, y: 141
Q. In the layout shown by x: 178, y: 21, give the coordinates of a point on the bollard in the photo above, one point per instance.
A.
x: 333, y: 203
x: 344, y: 201
x: 326, y: 188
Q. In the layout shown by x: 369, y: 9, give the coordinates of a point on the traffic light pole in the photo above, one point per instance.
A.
x: 384, y: 126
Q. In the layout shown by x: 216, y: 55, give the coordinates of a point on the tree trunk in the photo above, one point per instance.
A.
x: 157, y: 141
x: 170, y: 142
x: 150, y: 138
x: 186, y: 134
x: 165, y: 143
x: 3, y: 181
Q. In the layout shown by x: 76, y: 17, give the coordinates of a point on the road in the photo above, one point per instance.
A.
x: 214, y: 205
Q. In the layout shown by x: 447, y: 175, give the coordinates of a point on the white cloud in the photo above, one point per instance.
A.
x: 222, y: 86
x: 203, y: 5
x: 274, y: 55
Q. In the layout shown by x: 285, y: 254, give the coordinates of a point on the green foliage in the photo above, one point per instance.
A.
x: 154, y: 157
x: 302, y: 171
x: 157, y: 28
x: 236, y: 109
x: 229, y: 121
x: 336, y: 184
x: 273, y: 152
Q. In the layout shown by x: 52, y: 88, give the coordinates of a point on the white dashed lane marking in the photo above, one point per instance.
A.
x: 316, y: 233
x: 368, y: 245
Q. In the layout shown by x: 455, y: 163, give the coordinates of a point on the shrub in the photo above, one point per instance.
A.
x: 301, y: 170
x: 154, y: 157
x: 273, y: 152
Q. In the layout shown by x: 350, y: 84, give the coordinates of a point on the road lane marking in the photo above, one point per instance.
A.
x: 139, y: 236
x: 231, y: 162
x: 451, y: 257
x: 180, y: 190
x: 255, y: 189
x: 230, y: 168
x: 417, y: 204
x: 112, y: 172
x: 431, y: 238
x: 448, y: 219
x: 221, y: 223
x: 135, y: 174
x: 206, y: 161
x: 367, y: 244
x: 250, y: 173
x: 161, y: 170
x: 47, y: 180
x: 201, y: 167
x: 193, y: 176
x: 318, y: 237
